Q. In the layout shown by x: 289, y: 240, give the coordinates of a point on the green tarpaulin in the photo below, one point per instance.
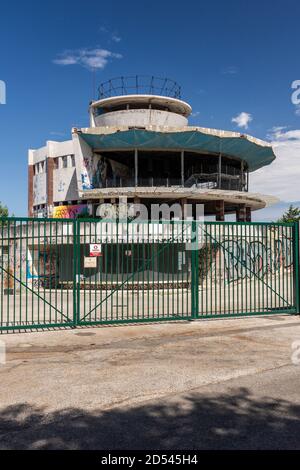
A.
x: 254, y: 154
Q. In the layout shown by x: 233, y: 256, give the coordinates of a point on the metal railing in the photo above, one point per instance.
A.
x: 217, y: 181
x: 205, y: 181
x: 142, y: 182
x: 139, y: 84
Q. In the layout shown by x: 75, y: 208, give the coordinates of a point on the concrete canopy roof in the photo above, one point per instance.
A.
x: 254, y: 200
x: 174, y: 104
x: 254, y: 152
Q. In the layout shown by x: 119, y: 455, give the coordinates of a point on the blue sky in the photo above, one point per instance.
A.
x: 230, y: 58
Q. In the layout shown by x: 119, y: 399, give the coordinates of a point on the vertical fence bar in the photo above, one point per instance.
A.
x: 75, y: 274
x: 2, y: 322
x: 195, y: 271
x: 296, y: 265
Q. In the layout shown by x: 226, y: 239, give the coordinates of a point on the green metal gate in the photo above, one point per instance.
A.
x: 58, y: 272
x: 33, y: 258
x: 248, y: 269
x: 145, y: 272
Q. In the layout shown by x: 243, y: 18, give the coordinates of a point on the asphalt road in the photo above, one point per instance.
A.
x: 227, y: 384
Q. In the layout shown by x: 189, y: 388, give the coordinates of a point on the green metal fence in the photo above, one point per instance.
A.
x: 143, y: 271
x: 33, y: 256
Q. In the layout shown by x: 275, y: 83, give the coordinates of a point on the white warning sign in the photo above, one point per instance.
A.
x: 90, y: 263
x: 96, y: 249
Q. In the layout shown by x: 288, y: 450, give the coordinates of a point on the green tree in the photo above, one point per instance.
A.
x: 3, y: 211
x: 291, y: 215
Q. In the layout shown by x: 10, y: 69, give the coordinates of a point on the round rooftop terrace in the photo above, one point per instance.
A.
x: 139, y: 101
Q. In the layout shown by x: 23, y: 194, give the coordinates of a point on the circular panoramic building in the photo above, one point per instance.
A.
x: 140, y: 146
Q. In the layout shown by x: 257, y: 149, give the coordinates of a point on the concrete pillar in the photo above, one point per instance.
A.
x: 137, y: 201
x: 220, y: 211
x: 241, y: 213
x: 242, y: 176
x: 50, y: 168
x: 136, y: 167
x: 30, y: 190
x: 248, y: 214
x: 220, y: 171
x: 183, y: 203
x: 182, y: 168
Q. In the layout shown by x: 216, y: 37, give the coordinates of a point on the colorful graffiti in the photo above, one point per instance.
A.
x: 85, y: 179
x: 42, y: 267
x: 97, y: 170
x: 70, y: 212
x: 251, y: 259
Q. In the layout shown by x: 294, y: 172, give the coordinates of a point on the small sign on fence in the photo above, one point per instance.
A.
x: 95, y: 249
x: 90, y: 262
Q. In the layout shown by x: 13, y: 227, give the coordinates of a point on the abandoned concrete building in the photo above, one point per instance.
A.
x: 139, y: 145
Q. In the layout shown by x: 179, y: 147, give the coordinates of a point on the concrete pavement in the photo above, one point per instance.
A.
x: 206, y: 384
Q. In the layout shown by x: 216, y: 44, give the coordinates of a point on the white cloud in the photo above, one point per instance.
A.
x: 282, y: 177
x: 96, y: 58
x: 231, y: 70
x: 58, y: 133
x: 242, y: 120
x: 195, y: 114
x: 65, y: 60
x: 273, y: 213
x: 275, y: 132
x: 115, y: 37
x: 288, y: 136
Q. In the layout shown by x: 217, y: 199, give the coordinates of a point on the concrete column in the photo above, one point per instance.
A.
x: 137, y: 201
x: 220, y: 171
x: 30, y: 190
x: 248, y: 214
x: 136, y: 167
x: 242, y: 175
x: 220, y: 211
x: 50, y: 168
x: 183, y: 203
x: 241, y: 213
x: 182, y: 168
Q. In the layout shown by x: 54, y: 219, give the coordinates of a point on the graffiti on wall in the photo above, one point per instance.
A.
x: 96, y: 170
x: 39, y: 189
x: 70, y: 212
x: 61, y: 186
x: 42, y: 265
x: 248, y: 259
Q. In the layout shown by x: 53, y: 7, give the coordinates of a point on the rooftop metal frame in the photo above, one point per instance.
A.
x: 139, y: 85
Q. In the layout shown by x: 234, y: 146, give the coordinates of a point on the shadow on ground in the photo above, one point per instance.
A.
x: 235, y: 421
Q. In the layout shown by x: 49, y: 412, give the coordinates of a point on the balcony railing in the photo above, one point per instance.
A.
x: 139, y: 84
x: 217, y: 181
x: 201, y: 181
